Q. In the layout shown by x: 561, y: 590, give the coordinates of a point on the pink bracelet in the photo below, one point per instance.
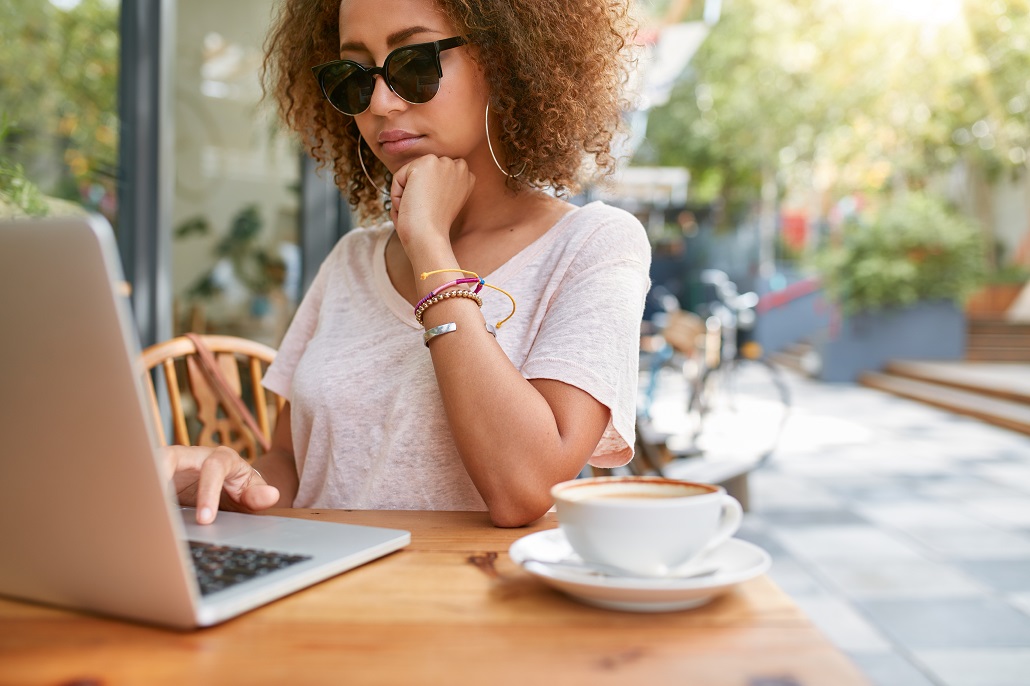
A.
x: 473, y: 277
x: 457, y: 282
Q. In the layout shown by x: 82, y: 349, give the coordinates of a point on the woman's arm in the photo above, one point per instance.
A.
x: 515, y: 437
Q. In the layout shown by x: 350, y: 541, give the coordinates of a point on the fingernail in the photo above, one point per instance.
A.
x: 205, y: 515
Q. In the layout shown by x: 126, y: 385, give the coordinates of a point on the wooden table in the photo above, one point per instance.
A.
x: 451, y: 608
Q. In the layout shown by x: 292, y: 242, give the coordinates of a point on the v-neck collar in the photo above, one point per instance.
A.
x: 403, y: 310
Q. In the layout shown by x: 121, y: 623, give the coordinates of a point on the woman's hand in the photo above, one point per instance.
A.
x: 426, y: 196
x: 202, y: 474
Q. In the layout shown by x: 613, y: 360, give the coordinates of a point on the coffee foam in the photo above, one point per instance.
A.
x: 632, y: 490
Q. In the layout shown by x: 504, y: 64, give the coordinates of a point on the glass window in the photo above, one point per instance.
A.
x: 58, y: 106
x: 235, y: 256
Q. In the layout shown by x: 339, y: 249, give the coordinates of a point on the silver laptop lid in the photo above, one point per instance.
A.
x: 86, y: 519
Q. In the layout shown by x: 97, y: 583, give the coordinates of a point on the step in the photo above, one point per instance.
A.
x: 798, y: 357
x: 998, y: 380
x: 1003, y: 413
x: 788, y: 360
x: 999, y: 326
x: 999, y: 340
x: 977, y: 354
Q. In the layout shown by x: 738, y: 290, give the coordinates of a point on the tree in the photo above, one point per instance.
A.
x: 846, y: 95
x: 59, y: 77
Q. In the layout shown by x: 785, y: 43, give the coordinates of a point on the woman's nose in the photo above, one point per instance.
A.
x: 384, y: 100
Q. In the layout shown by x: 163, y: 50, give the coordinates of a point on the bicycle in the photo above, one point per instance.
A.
x: 737, y: 402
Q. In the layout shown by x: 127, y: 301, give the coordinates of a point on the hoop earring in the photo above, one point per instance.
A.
x: 491, y: 146
x: 367, y: 175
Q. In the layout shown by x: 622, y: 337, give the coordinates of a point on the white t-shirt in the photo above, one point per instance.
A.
x: 369, y: 431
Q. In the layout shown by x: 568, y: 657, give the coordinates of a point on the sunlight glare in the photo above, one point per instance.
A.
x: 929, y: 12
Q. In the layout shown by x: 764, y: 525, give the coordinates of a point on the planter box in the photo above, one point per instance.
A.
x: 791, y: 315
x: 993, y: 300
x: 867, y: 341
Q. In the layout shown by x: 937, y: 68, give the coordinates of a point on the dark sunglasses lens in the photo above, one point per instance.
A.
x: 414, y: 75
x: 348, y: 87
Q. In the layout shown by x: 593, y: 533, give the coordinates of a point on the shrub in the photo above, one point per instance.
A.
x: 917, y: 249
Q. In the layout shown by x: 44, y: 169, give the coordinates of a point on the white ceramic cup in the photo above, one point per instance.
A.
x: 647, y: 526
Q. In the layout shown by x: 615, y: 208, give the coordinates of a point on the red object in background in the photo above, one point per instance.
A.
x: 794, y: 229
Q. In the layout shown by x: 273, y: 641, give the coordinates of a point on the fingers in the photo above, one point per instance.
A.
x: 221, y: 467
x: 429, y: 192
x: 202, y: 474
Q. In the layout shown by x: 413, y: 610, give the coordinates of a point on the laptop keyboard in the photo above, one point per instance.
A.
x: 219, y: 567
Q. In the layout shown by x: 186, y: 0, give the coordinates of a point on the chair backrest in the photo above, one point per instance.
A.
x: 200, y: 416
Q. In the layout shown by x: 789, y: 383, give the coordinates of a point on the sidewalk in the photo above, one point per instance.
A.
x: 903, y: 531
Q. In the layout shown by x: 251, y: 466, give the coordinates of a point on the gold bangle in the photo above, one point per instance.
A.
x: 460, y: 293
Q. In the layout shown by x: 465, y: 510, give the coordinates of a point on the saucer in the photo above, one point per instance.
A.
x: 736, y: 561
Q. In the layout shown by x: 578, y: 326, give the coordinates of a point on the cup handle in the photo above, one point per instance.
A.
x: 730, y: 520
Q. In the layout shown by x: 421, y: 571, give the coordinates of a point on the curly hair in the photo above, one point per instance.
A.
x: 556, y: 68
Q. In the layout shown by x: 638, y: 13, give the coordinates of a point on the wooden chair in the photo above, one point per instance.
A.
x: 196, y: 402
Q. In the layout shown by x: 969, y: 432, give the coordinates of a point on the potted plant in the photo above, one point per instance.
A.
x: 899, y: 284
x: 243, y: 260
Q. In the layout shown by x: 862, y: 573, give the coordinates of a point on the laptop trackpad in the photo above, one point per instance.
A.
x: 228, y: 527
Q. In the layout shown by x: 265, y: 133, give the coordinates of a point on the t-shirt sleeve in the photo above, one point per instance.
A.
x: 590, y: 336
x: 279, y: 376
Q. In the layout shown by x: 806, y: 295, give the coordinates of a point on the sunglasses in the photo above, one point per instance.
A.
x: 412, y: 72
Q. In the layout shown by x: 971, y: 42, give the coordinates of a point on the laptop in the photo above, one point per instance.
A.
x: 87, y: 520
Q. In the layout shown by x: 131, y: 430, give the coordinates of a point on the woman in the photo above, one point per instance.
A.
x: 450, y: 121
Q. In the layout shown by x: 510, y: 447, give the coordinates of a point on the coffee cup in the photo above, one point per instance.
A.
x: 646, y: 526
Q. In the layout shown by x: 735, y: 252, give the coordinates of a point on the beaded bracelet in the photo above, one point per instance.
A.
x: 451, y: 284
x: 444, y: 296
x: 481, y: 282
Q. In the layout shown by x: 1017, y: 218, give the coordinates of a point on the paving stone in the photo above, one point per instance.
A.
x: 919, y: 515
x: 889, y: 669
x: 1003, y: 575
x: 756, y: 531
x: 839, y: 621
x: 847, y: 541
x: 878, y: 577
x: 971, y: 544
x: 943, y: 529
x: 961, y: 488
x: 1011, y: 512
x: 1011, y: 475
x: 795, y: 518
x: 772, y: 490
x: 1020, y: 601
x: 794, y: 578
x: 982, y: 667
x: 950, y: 623
x: 868, y: 489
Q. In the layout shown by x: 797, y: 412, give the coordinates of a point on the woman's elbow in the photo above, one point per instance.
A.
x: 514, y: 515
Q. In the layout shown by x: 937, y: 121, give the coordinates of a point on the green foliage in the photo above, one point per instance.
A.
x: 1010, y: 274
x: 18, y: 195
x: 917, y: 249
x: 58, y: 77
x: 847, y: 96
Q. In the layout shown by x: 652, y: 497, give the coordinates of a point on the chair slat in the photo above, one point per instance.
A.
x: 180, y: 434
x: 155, y: 410
x: 260, y: 401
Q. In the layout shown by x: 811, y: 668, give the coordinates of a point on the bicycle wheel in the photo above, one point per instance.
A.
x: 740, y: 410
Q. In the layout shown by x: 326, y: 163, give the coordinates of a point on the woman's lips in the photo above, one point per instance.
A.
x: 397, y: 142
